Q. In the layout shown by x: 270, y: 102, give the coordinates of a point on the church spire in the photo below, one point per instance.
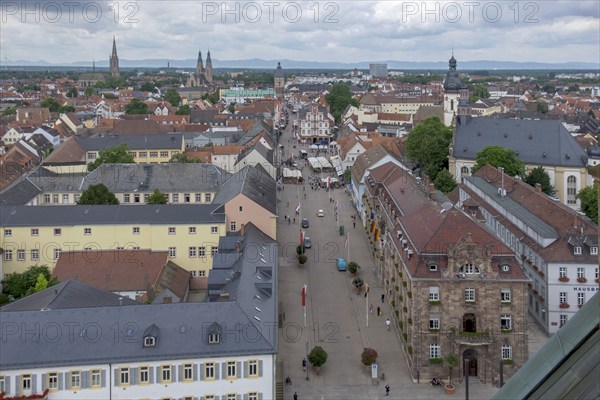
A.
x: 199, y: 64
x: 208, y: 73
x: 114, y: 50
x: 113, y: 61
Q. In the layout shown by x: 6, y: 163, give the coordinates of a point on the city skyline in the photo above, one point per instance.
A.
x: 354, y: 31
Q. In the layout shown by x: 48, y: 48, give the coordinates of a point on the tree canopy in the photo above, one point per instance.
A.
x: 427, y: 145
x: 136, y: 106
x: 148, y: 87
x: 97, y: 194
x: 157, y: 197
x: 444, y: 181
x: 72, y: 92
x: 498, y: 156
x: 172, y: 96
x: 52, y: 104
x: 28, y: 282
x: 114, y: 155
x: 539, y: 175
x: 589, y: 201
x: 183, y: 158
x: 183, y: 110
x: 338, y: 99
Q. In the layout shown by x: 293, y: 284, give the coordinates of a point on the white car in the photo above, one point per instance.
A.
x: 320, y: 213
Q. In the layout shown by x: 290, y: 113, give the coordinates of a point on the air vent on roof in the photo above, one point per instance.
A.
x: 465, y: 148
x: 544, y: 155
x: 505, y: 134
x: 530, y: 136
x: 87, y: 210
x: 567, y: 156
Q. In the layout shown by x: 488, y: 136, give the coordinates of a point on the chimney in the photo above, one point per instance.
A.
x: 120, y: 301
x: 242, y: 229
x: 238, y: 248
x: 538, y: 187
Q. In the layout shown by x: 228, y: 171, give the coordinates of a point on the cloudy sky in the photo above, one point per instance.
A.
x: 347, y: 31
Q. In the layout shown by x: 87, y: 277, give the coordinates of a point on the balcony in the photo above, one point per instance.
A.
x: 470, y: 338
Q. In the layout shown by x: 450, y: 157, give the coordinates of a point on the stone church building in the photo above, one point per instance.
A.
x: 202, y: 75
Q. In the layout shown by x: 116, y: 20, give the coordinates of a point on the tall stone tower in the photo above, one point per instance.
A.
x: 208, y: 73
x: 279, y: 80
x: 113, y: 61
x: 200, y: 65
x: 454, y: 92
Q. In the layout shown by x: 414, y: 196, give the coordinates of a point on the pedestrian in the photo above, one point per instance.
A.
x: 388, y: 323
x: 295, y: 222
x: 371, y: 309
x: 304, y: 364
x: 387, y: 392
x: 288, y: 381
x: 382, y: 298
x: 354, y: 224
x: 289, y: 221
x: 295, y: 396
x: 378, y: 311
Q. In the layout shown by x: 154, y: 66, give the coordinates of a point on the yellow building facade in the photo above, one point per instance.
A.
x: 37, y: 235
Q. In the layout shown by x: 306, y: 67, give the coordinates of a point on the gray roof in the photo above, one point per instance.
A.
x: 258, y: 127
x: 251, y: 277
x: 68, y: 295
x: 129, y: 178
x: 134, y: 142
x: 567, y: 366
x: 14, y: 216
x: 253, y: 182
x: 19, y: 194
x: 182, y: 333
x: 521, y: 213
x: 268, y: 155
x: 537, y: 142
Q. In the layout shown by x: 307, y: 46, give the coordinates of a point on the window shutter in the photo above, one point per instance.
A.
x: 151, y: 374
x: 103, y: 378
x: 33, y: 383
x: 7, y: 384
x: 201, y: 371
x: 260, y: 368
x: 180, y: 372
x: 85, y: 379
x: 245, y: 369
x: 195, y: 372
x: 61, y: 381
x: 173, y: 374
x: 18, y: 389
x: 224, y: 368
x: 217, y: 371
x: 117, y: 381
x: 260, y: 396
x: 44, y: 381
x: 133, y: 376
x: 158, y: 375
x: 246, y: 397
x: 238, y: 369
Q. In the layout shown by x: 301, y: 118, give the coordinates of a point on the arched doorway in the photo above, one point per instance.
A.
x: 471, y: 356
x: 469, y: 323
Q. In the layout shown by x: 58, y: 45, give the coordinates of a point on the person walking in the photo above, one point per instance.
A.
x: 387, y: 391
x: 295, y: 396
x: 354, y: 224
x: 304, y: 364
x: 388, y: 323
x: 371, y: 309
x: 378, y: 311
x: 382, y: 298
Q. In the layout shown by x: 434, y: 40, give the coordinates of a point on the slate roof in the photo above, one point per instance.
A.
x: 71, y: 151
x: 144, y: 178
x: 267, y: 154
x: 537, y: 142
x: 253, y: 182
x: 182, y: 326
x: 109, y: 215
x: 134, y: 142
x: 69, y: 294
x: 19, y: 194
x: 366, y: 159
x: 136, y: 127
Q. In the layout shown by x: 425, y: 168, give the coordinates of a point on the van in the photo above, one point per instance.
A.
x: 303, y: 154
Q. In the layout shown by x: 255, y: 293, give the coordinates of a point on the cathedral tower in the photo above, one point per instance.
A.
x: 208, y: 73
x: 113, y: 61
x: 200, y: 65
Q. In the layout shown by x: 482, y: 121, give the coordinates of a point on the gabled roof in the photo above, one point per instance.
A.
x: 366, y: 159
x: 537, y: 142
x: 134, y: 142
x: 136, y: 127
x: 253, y: 182
x: 267, y: 154
x: 71, y: 151
x: 19, y: 194
x: 69, y: 294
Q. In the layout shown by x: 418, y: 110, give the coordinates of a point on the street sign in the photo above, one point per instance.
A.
x: 374, y: 371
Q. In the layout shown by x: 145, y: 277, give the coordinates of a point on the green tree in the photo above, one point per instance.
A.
x: 19, y: 285
x: 157, y: 197
x: 588, y: 197
x: 72, y: 92
x: 172, y: 96
x: 589, y: 113
x: 573, y: 88
x: 231, y: 108
x: 539, y: 175
x: 13, y: 111
x: 97, y: 194
x: 66, y: 109
x: 338, y: 98
x: 444, y: 181
x: 498, y: 156
x: 347, y: 176
x: 41, y: 284
x: 183, y: 110
x: 427, y: 145
x: 110, y: 96
x: 52, y: 104
x: 113, y: 155
x: 89, y: 91
x: 479, y: 91
x: 183, y: 158
x: 317, y: 356
x: 213, y: 97
x: 368, y: 356
x: 542, y: 108
x: 136, y: 106
x: 148, y: 87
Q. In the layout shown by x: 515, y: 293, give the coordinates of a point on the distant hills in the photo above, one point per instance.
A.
x: 257, y: 63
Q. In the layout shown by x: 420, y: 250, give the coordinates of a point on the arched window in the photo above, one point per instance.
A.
x: 469, y: 269
x: 571, y: 189
x: 464, y: 171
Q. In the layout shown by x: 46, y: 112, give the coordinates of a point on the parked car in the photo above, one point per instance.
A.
x: 307, y: 242
x: 305, y: 222
x: 320, y: 213
x: 342, y: 265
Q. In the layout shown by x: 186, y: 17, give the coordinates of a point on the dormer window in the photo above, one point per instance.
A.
x: 469, y: 269
x: 594, y: 251
x: 149, y: 341
x: 577, y: 250
x: 214, y: 338
x: 150, y: 336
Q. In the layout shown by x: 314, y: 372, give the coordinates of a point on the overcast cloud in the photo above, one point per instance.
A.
x: 346, y: 31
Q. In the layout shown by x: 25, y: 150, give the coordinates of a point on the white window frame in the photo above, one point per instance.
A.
x: 124, y: 376
x: 231, y: 370
x: 434, y: 293
x: 26, y: 382
x: 562, y: 272
x: 214, y: 230
x: 214, y: 250
x: 87, y: 231
x: 35, y: 254
x: 563, y: 298
x: 202, y: 251
x: 233, y: 226
x: 253, y: 368
x: 434, y: 323
x: 580, y: 298
x: 192, y: 230
x: 7, y: 232
x: 470, y: 295
x: 20, y: 255
x: 75, y: 379
x: 172, y: 252
x: 435, y: 351
x: 144, y: 375
x: 505, y: 295
x: 563, y: 318
x: 95, y: 378
x: 52, y: 381
x: 188, y: 372
x: 209, y: 370
x: 8, y: 255
x: 165, y: 374
x: 580, y: 272
x: 594, y: 250
x: 35, y: 232
x: 172, y: 230
x: 506, y: 352
x: 506, y: 322
x: 577, y: 250
x: 135, y: 230
x: 192, y: 252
